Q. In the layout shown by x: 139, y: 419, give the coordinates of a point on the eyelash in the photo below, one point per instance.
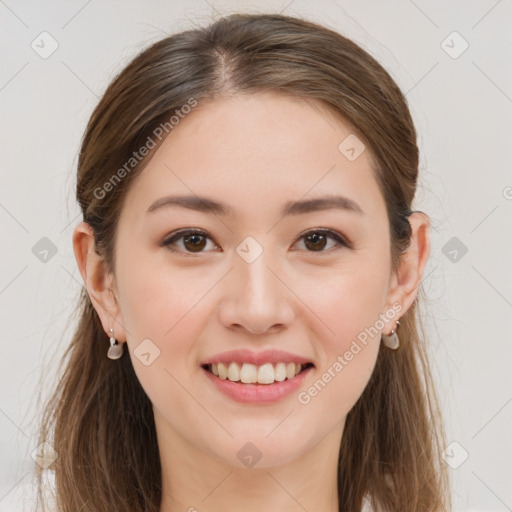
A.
x: 341, y: 241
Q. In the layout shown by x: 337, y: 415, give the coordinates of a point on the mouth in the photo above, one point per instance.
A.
x: 265, y: 374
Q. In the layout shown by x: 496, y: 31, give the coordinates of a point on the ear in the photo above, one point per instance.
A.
x: 405, y: 283
x: 99, y: 282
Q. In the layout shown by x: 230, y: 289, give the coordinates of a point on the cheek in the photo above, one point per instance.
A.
x: 168, y: 311
x: 163, y: 306
x: 158, y: 301
x: 350, y: 307
x: 348, y: 361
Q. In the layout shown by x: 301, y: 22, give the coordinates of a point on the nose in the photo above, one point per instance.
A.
x: 256, y: 298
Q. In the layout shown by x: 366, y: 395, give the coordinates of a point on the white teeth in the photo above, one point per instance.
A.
x: 290, y: 370
x: 250, y: 373
x: 223, y: 371
x: 280, y: 373
x: 265, y: 374
x: 234, y: 372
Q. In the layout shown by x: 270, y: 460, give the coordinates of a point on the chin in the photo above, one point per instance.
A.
x: 257, y: 449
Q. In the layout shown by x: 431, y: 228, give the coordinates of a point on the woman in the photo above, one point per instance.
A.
x: 247, y: 233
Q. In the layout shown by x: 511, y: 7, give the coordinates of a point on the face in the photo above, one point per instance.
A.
x: 254, y: 283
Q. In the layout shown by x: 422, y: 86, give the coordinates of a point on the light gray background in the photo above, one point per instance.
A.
x: 463, y: 112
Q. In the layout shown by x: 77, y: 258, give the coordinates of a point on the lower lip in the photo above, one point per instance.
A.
x: 258, y: 393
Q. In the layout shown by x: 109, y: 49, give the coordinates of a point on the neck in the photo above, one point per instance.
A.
x: 194, y: 481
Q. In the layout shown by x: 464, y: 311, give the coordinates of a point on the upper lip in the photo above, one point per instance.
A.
x: 256, y: 358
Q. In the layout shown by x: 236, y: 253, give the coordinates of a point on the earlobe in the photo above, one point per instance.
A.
x: 97, y: 279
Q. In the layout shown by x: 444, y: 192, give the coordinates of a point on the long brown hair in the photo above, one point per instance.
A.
x: 99, y: 419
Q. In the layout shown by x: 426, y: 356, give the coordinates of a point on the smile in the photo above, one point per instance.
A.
x: 248, y: 373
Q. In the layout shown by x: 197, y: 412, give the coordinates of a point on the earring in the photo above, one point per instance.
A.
x: 115, y: 351
x: 391, y: 340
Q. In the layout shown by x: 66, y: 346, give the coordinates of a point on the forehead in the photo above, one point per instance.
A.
x: 258, y: 152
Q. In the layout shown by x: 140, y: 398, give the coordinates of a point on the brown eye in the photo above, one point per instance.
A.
x: 194, y: 242
x: 317, y: 240
x: 191, y: 241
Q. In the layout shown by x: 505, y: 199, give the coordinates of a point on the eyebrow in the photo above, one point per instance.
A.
x: 205, y: 205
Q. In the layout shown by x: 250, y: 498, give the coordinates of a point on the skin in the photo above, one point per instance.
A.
x: 254, y: 152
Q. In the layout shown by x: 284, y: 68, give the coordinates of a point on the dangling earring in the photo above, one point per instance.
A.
x: 115, y: 351
x: 391, y: 340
